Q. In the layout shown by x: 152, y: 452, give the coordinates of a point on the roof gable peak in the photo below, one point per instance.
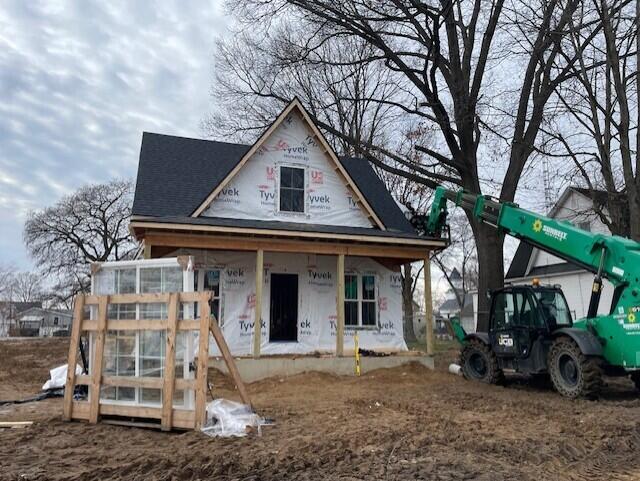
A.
x: 294, y: 106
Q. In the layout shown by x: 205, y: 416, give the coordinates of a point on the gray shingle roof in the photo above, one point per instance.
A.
x: 176, y: 174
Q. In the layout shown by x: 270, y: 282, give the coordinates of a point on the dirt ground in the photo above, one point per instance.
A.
x: 403, y: 423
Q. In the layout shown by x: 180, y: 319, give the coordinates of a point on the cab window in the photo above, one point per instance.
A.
x: 554, y: 307
x: 526, y: 314
x: 503, y: 310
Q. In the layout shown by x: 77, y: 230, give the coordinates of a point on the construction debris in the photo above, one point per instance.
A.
x: 229, y: 418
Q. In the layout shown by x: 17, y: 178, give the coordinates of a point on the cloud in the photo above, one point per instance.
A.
x: 81, y: 81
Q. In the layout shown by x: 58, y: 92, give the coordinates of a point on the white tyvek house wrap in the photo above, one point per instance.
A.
x: 253, y: 192
x: 316, y: 302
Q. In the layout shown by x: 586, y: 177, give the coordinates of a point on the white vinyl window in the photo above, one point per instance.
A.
x: 360, y: 300
x: 291, y: 194
x: 141, y: 353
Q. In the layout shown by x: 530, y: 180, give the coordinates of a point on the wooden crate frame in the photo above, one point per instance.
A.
x: 169, y: 417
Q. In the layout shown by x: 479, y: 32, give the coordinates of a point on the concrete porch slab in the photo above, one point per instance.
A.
x: 273, y: 366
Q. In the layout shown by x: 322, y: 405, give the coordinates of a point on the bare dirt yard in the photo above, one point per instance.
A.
x: 404, y: 423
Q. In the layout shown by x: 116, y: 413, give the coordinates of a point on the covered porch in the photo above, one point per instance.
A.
x: 386, y: 249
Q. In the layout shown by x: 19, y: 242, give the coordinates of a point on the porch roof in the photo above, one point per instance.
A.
x: 272, y: 225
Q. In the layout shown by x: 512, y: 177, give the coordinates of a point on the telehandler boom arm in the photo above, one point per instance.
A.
x: 613, y: 257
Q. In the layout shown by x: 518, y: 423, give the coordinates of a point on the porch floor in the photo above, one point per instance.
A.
x: 272, y: 366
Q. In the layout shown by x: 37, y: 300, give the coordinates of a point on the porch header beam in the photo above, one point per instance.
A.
x: 196, y: 241
x: 140, y: 226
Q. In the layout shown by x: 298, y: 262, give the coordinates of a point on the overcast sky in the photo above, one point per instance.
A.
x: 79, y: 83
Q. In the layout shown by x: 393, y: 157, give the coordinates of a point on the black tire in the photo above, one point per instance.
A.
x: 635, y: 377
x: 573, y: 374
x: 479, y: 363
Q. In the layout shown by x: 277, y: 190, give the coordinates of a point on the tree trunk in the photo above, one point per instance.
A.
x: 490, y: 266
x: 407, y: 303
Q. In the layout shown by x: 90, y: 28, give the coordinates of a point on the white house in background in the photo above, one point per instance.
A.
x: 45, y: 322
x: 10, y: 311
x: 575, y: 205
x: 451, y: 306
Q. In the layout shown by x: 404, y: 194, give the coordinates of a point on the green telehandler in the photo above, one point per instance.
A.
x: 530, y: 326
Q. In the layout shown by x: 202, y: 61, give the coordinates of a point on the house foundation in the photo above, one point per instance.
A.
x: 279, y: 366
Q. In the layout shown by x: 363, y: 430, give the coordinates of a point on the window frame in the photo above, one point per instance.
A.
x: 584, y: 225
x: 182, y: 399
x: 198, y: 286
x: 360, y: 300
x: 305, y: 189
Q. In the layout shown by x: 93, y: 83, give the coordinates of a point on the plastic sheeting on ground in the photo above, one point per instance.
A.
x: 229, y: 418
x: 58, y: 377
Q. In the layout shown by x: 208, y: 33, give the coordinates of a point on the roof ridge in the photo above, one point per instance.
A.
x: 145, y: 132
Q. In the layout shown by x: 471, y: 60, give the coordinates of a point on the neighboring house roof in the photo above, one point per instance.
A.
x: 601, y: 197
x: 520, y: 261
x: 449, y: 305
x: 455, y: 275
x: 39, y: 311
x: 452, y: 304
x: 18, y: 307
x: 467, y: 310
x: 175, y: 175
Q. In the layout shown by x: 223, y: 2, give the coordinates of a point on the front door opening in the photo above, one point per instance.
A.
x: 284, y: 308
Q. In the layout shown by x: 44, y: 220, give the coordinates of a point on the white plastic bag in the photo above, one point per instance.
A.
x: 58, y: 377
x: 229, y: 418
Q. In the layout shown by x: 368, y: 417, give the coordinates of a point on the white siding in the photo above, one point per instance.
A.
x: 577, y: 290
x: 574, y: 208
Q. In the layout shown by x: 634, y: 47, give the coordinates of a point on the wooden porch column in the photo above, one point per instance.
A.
x: 428, y: 304
x: 257, y: 326
x: 340, y: 307
x: 147, y: 250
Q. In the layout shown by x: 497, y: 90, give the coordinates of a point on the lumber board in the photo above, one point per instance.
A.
x: 428, y: 305
x: 170, y: 363
x: 257, y: 319
x: 230, y: 362
x: 133, y: 381
x: 140, y: 325
x: 287, y: 241
x: 169, y: 417
x: 181, y: 418
x: 340, y: 306
x: 203, y: 361
x: 15, y: 424
x: 72, y: 358
x: 146, y: 298
x: 96, y: 367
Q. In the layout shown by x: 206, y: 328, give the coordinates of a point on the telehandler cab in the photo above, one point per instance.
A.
x: 530, y: 326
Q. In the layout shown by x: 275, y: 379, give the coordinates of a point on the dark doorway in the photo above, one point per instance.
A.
x: 284, y: 308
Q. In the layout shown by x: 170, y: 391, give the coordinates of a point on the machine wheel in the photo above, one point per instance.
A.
x: 479, y: 363
x: 635, y: 377
x: 573, y: 374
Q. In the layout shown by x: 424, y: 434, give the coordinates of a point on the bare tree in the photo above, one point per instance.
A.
x: 439, y: 55
x: 27, y: 287
x: 6, y: 275
x: 601, y: 106
x: 90, y: 225
x: 460, y: 254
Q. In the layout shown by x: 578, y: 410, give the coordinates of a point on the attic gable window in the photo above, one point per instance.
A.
x: 291, y: 189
